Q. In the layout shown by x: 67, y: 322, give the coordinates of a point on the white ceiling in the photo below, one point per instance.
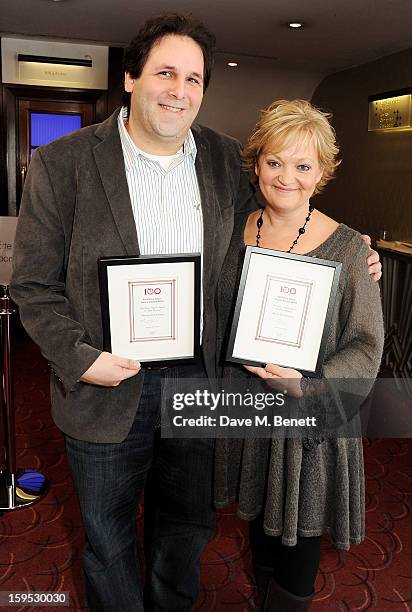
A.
x: 338, y: 33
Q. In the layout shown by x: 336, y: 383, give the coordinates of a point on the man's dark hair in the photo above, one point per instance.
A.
x: 136, y: 54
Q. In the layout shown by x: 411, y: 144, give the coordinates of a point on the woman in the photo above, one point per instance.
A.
x: 295, y: 490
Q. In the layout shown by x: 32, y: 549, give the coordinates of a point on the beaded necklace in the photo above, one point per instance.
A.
x: 301, y: 230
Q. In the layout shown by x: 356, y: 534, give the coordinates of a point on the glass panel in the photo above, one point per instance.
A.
x: 45, y: 127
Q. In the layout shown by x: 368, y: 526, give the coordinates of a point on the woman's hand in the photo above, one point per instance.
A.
x: 282, y: 379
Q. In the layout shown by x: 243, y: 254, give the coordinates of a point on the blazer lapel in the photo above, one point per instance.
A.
x: 203, y: 167
x: 108, y: 155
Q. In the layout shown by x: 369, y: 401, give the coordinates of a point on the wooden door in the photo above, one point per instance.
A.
x: 41, y: 121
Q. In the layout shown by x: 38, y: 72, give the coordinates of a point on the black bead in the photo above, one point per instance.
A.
x: 301, y: 230
x: 259, y: 222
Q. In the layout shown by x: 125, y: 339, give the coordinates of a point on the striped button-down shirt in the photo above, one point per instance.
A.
x: 165, y: 200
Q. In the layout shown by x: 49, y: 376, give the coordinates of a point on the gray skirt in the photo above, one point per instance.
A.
x: 301, y: 492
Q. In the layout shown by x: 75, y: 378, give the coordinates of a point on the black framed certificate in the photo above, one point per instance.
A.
x: 151, y: 307
x: 283, y: 311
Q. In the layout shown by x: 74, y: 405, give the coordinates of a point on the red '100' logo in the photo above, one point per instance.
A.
x: 290, y: 290
x: 155, y: 291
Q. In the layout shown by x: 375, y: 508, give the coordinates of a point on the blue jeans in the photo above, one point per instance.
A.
x: 179, y: 516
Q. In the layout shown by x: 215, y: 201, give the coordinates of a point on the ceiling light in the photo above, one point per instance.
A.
x: 232, y: 64
x: 295, y: 24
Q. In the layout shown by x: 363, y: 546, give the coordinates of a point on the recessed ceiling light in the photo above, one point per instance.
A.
x: 232, y: 64
x: 295, y: 24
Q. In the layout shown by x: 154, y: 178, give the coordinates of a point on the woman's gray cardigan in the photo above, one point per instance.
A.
x: 302, y: 490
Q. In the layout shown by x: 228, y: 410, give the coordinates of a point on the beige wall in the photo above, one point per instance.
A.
x: 373, y: 189
x: 235, y: 95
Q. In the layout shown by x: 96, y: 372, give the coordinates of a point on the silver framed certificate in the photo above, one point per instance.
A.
x: 283, y: 310
x: 151, y: 307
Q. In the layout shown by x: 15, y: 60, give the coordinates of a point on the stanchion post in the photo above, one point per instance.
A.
x: 7, y: 396
x: 12, y: 497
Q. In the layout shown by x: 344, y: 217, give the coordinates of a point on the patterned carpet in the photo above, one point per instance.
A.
x: 40, y: 547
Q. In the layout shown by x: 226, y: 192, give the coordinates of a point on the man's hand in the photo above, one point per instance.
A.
x: 109, y: 370
x: 282, y: 379
x: 373, y: 261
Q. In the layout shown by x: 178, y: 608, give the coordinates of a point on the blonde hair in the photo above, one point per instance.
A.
x: 284, y: 123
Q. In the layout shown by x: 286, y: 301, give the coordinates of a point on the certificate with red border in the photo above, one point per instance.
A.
x: 151, y: 307
x: 283, y: 310
x: 152, y: 310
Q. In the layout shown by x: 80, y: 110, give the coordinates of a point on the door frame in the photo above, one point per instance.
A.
x: 12, y: 94
x: 25, y: 107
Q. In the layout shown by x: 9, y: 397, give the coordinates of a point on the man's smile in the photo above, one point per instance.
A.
x: 173, y: 109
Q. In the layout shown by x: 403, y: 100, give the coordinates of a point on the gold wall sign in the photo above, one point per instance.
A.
x: 390, y: 111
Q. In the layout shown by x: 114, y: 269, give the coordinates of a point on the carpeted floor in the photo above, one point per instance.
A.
x: 40, y: 547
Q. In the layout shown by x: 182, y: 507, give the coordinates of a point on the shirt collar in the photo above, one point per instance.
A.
x: 132, y: 153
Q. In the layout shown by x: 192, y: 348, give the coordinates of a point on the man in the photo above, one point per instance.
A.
x: 121, y: 188
x: 97, y: 193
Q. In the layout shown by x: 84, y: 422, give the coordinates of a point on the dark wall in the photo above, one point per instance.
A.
x: 3, y: 151
x: 373, y: 189
x: 115, y: 83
